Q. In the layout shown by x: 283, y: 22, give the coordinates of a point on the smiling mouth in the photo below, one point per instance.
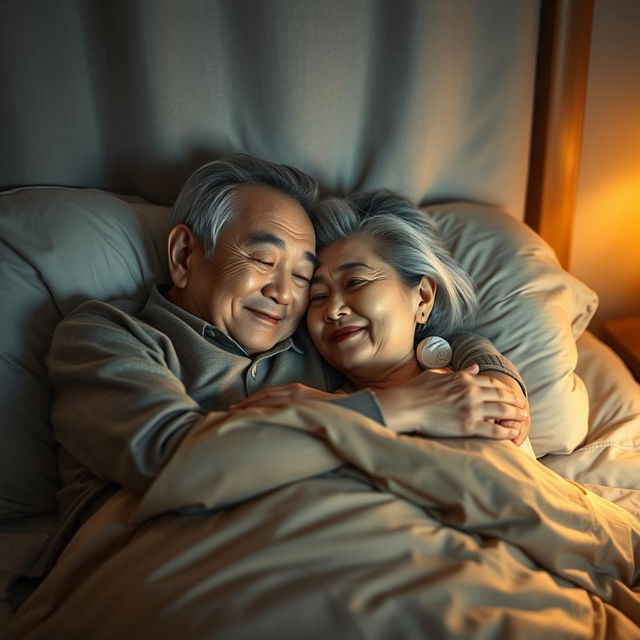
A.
x: 346, y: 333
x: 265, y: 317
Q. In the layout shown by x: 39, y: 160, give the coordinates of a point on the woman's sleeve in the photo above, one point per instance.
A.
x: 469, y: 348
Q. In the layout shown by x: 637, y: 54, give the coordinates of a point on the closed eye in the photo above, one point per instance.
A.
x: 304, y: 279
x: 266, y: 263
x: 354, y: 282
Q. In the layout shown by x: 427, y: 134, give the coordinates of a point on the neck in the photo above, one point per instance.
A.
x: 173, y: 295
x: 385, y: 377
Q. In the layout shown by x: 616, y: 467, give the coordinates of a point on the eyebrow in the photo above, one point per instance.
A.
x: 264, y: 237
x: 341, y: 269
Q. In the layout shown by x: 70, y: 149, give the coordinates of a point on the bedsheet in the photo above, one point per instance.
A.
x: 20, y: 540
x: 367, y: 535
x: 608, y: 460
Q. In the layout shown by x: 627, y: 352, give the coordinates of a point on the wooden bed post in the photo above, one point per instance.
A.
x: 556, y: 134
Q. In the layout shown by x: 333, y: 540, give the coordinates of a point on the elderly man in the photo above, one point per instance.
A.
x: 132, y: 380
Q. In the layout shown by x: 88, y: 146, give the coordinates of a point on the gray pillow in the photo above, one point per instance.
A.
x: 58, y: 247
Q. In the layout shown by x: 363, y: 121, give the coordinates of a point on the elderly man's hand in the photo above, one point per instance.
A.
x: 283, y: 395
x: 523, y: 426
x: 455, y: 404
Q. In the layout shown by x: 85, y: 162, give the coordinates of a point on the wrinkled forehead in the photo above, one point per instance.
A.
x: 348, y: 253
x: 261, y: 212
x: 278, y: 228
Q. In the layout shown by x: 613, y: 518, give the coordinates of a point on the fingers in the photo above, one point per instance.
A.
x: 492, y: 388
x: 282, y: 395
x: 520, y: 438
x: 508, y: 392
x: 522, y: 427
x: 441, y: 370
x: 495, y: 431
x: 502, y: 410
x: 497, y: 392
x: 488, y: 382
x: 259, y: 402
x: 265, y: 397
x: 264, y: 400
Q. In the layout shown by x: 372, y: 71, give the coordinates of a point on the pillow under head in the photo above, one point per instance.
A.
x: 531, y: 309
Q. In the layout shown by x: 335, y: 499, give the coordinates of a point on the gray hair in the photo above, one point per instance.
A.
x: 205, y: 202
x: 411, y: 242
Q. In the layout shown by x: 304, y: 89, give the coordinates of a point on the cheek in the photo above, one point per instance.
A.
x: 377, y: 308
x: 314, y: 324
x: 301, y: 296
x: 237, y: 279
x: 393, y: 316
x: 298, y: 308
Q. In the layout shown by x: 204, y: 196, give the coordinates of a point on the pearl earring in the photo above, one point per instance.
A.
x: 433, y: 352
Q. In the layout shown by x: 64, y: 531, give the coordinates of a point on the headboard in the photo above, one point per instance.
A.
x: 437, y: 99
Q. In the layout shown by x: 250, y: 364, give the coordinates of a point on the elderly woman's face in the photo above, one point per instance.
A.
x: 361, y: 315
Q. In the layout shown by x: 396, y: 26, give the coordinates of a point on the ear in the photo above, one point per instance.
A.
x: 426, y: 297
x: 181, y: 245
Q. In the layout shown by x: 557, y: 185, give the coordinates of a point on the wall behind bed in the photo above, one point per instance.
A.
x: 605, y: 251
x: 430, y: 97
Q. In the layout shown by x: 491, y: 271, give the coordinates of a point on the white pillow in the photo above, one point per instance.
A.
x: 531, y: 309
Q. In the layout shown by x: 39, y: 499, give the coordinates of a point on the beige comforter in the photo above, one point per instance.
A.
x: 314, y: 522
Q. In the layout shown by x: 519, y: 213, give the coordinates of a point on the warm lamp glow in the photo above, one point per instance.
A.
x: 624, y: 197
x: 615, y: 211
x: 606, y: 242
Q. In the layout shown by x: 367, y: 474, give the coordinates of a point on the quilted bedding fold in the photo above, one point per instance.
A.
x: 316, y: 522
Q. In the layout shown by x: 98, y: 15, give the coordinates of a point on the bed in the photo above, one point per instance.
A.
x: 313, y: 522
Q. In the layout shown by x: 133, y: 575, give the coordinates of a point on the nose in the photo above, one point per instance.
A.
x: 279, y: 288
x: 335, y: 308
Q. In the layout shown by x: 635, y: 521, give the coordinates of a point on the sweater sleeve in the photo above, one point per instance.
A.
x: 469, y: 348
x: 119, y: 408
x: 364, y: 402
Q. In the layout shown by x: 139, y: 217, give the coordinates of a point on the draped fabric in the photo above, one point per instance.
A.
x: 429, y: 97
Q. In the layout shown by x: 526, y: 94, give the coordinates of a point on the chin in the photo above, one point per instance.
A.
x: 261, y: 345
x: 347, y: 365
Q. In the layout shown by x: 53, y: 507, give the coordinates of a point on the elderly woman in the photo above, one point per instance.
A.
x: 385, y: 280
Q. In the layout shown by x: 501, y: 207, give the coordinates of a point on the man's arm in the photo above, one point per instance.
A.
x: 493, y: 410
x: 469, y: 349
x: 492, y: 404
x: 119, y: 408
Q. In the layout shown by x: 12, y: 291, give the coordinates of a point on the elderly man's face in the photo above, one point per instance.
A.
x: 255, y: 286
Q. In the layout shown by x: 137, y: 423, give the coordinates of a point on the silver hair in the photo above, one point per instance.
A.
x: 206, y: 200
x: 408, y: 240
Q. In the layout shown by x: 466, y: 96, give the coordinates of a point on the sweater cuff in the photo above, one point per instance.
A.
x: 363, y: 402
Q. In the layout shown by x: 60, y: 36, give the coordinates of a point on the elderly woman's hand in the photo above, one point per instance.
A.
x: 283, y: 395
x: 523, y: 426
x: 454, y: 404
